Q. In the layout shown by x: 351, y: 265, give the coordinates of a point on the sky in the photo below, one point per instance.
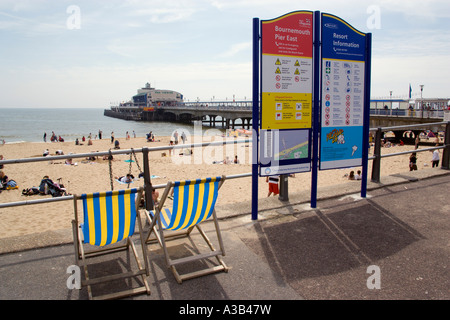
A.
x: 89, y: 54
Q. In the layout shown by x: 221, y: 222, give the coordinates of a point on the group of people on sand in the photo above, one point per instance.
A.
x: 353, y: 176
x: 53, y: 138
x: 46, y: 186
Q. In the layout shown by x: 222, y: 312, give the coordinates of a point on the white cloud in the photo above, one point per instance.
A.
x: 235, y: 49
x: 163, y: 11
x: 395, y: 73
x: 428, y: 10
x: 32, y: 27
x: 98, y: 86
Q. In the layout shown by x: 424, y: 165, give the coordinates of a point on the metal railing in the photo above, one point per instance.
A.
x: 376, y: 158
x: 415, y: 113
x: 146, y: 170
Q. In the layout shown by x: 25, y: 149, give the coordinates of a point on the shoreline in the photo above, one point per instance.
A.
x: 94, y: 176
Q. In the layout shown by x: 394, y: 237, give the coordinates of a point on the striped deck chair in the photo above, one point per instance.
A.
x: 109, y: 222
x: 193, y: 203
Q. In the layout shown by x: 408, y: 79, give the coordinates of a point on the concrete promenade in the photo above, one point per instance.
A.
x: 292, y: 252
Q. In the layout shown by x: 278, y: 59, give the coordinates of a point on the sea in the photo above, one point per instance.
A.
x: 29, y: 125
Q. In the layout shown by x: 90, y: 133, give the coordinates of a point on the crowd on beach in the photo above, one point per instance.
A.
x: 59, y: 176
x: 181, y: 137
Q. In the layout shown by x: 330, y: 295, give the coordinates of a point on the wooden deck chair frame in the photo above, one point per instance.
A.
x: 107, y: 244
x: 164, y: 234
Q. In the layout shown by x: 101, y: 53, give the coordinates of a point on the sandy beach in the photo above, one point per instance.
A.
x: 86, y: 176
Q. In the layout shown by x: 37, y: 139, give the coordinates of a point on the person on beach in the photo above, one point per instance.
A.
x: 126, y: 179
x: 45, y: 136
x: 155, y: 196
x: 358, y: 175
x: 112, y: 137
x: 351, y: 176
x: 3, y: 180
x: 47, y: 186
x: 6, y: 183
x: 413, y: 162
x: 100, y: 134
x: 273, y: 185
x: 435, y: 159
x: 53, y: 138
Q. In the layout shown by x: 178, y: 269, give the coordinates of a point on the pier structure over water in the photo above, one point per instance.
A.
x: 238, y: 114
x: 218, y: 114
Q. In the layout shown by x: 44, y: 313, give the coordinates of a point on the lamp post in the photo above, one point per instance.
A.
x: 390, y: 93
x: 421, y: 98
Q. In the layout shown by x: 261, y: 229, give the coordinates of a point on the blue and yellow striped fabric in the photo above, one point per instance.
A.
x: 109, y: 217
x: 193, y: 202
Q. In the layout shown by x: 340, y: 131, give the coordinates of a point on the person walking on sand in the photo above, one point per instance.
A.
x: 175, y: 135
x: 416, y: 143
x: 112, y: 137
x: 435, y: 159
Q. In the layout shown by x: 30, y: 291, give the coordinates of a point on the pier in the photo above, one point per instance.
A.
x: 221, y: 114
x: 238, y: 114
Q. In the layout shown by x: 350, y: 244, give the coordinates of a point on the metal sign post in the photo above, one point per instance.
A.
x: 255, y: 120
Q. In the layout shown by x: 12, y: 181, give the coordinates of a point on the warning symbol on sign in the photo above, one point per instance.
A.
x: 278, y: 70
x: 296, y: 64
x: 296, y: 71
x: 278, y: 63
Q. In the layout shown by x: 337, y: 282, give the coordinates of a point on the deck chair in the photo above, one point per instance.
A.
x: 109, y: 222
x: 193, y: 203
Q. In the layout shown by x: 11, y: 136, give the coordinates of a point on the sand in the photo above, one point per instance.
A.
x: 93, y: 176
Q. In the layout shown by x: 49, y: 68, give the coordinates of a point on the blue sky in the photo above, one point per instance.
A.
x: 57, y: 53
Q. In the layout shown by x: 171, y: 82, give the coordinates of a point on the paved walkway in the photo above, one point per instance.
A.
x: 292, y: 252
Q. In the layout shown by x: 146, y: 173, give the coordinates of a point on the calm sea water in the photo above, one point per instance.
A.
x: 29, y: 125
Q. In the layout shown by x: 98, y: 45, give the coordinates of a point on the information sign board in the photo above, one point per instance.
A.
x: 286, y: 93
x: 342, y: 96
x: 286, y: 48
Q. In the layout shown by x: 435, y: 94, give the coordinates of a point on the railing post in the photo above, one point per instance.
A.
x: 284, y: 193
x: 376, y: 164
x: 446, y: 153
x: 149, y: 205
